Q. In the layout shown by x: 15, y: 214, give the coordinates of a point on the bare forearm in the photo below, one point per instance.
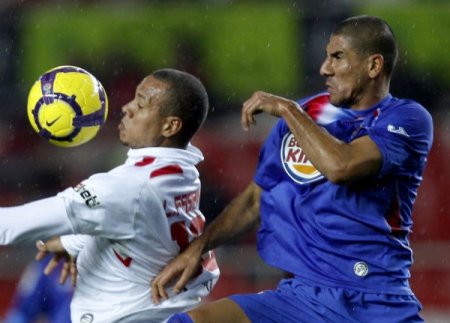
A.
x: 241, y: 215
x: 325, y: 152
x: 338, y: 161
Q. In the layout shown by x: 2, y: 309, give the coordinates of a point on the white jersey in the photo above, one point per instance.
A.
x: 129, y: 223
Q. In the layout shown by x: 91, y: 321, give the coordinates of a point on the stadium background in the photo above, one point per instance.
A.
x: 235, y: 47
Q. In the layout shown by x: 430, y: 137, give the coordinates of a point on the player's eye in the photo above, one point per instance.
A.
x: 337, y: 55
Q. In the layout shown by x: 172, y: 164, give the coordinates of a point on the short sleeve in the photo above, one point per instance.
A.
x: 269, y: 157
x: 103, y: 205
x: 74, y: 243
x: 404, y: 136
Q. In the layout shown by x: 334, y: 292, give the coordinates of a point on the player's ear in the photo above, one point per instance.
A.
x: 172, y: 125
x: 375, y: 65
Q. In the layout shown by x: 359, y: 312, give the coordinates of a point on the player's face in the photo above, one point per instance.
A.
x: 142, y: 124
x: 345, y: 71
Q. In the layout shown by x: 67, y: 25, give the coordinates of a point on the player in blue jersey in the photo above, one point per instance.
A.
x: 40, y: 297
x: 333, y: 195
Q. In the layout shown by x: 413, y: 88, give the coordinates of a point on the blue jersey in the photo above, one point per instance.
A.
x: 40, y: 296
x: 353, y: 236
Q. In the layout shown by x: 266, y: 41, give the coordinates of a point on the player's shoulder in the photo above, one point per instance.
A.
x: 126, y: 178
x: 167, y: 176
x: 312, y: 104
x: 408, y: 111
x: 406, y: 107
x: 317, y: 98
x: 157, y: 163
x: 156, y: 169
x: 149, y: 167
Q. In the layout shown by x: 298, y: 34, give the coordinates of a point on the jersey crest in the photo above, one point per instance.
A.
x: 295, y: 162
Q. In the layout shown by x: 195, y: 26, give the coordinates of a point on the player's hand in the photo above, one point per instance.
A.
x: 55, y: 247
x: 263, y: 102
x: 184, y: 267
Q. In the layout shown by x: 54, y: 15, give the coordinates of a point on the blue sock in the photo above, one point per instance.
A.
x: 180, y: 318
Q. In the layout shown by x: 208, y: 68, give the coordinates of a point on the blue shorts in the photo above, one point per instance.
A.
x: 295, y: 302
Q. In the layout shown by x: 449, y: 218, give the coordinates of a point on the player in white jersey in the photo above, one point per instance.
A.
x: 125, y: 225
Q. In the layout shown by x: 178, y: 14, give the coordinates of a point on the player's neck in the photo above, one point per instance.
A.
x: 371, y: 96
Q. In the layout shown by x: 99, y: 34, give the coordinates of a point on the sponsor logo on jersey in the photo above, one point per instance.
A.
x: 87, y: 318
x: 361, y: 269
x: 295, y: 162
x: 399, y: 130
x: 89, y: 198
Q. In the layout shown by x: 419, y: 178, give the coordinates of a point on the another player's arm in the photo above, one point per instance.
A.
x: 59, y: 253
x: 241, y: 215
x: 338, y: 161
x: 64, y: 248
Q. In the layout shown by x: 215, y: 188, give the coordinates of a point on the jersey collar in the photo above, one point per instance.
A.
x: 191, y: 154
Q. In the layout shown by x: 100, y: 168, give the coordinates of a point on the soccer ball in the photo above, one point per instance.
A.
x: 67, y: 106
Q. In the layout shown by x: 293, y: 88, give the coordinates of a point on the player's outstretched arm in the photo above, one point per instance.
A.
x: 238, y: 217
x: 33, y: 221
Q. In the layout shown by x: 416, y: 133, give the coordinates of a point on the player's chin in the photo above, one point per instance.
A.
x: 123, y: 138
x: 333, y: 98
x: 336, y: 100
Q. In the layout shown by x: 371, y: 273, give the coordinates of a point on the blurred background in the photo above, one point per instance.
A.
x: 235, y: 48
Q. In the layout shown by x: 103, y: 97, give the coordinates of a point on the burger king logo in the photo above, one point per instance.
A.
x: 295, y: 162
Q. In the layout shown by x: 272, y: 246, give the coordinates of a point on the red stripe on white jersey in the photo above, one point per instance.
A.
x: 167, y: 170
x: 126, y: 261
x: 145, y: 161
x: 209, y: 263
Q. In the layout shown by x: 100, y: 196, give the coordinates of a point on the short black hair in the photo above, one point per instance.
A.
x: 371, y: 35
x: 186, y: 98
